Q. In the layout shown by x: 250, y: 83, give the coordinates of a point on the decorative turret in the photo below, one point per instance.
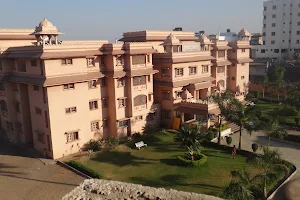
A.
x: 244, y: 35
x: 45, y: 31
x: 172, y: 44
x: 204, y: 42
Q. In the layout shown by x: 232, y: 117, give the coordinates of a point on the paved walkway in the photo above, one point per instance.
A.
x: 288, y: 151
x: 25, y: 177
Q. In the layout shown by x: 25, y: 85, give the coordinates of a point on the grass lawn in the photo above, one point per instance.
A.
x: 156, y: 166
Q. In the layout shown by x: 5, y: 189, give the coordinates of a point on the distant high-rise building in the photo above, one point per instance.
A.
x: 281, y: 30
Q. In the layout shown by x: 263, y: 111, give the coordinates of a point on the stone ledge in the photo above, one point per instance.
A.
x: 104, y: 190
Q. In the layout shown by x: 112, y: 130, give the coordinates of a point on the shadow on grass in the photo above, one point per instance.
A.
x: 170, y: 161
x: 120, y: 158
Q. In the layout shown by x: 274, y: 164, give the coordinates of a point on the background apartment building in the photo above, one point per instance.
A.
x: 57, y: 95
x: 281, y: 30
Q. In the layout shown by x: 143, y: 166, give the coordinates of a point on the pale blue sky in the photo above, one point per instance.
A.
x: 108, y: 19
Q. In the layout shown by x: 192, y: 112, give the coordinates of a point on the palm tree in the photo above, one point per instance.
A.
x: 187, y: 136
x: 243, y: 186
x: 273, y: 129
x: 270, y: 161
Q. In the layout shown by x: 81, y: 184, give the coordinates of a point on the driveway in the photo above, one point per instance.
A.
x: 288, y: 152
x: 24, y: 177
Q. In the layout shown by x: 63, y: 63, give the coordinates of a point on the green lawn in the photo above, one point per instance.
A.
x: 156, y: 166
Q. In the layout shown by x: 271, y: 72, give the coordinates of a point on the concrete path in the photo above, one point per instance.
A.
x: 288, y: 152
x: 24, y: 177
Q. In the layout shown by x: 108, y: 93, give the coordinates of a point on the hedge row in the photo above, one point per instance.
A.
x: 83, y: 169
x: 200, y: 159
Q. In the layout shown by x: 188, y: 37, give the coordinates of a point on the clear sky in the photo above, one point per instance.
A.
x: 108, y: 19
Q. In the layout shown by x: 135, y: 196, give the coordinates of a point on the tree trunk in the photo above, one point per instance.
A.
x: 263, y: 93
x: 240, y: 141
x: 269, y: 140
x: 265, y: 188
x: 219, y: 137
x: 278, y: 96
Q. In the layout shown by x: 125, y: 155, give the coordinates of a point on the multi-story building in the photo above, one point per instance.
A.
x: 57, y: 95
x: 281, y: 30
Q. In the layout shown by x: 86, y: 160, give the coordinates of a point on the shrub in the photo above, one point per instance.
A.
x: 254, y: 147
x: 136, y: 135
x: 200, y: 159
x: 83, y: 169
x: 258, y: 113
x: 113, y: 141
x: 297, y: 120
x: 210, y: 136
x: 92, y: 145
x: 228, y: 140
x: 148, y: 129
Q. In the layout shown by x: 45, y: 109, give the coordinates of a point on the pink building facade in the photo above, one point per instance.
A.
x: 58, y: 95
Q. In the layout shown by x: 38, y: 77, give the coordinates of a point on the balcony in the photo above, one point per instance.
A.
x: 139, y: 87
x: 202, y: 104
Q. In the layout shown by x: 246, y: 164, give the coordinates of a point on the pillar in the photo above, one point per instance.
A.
x: 56, y: 41
x: 182, y: 118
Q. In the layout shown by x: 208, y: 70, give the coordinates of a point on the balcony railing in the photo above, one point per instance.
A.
x: 139, y: 87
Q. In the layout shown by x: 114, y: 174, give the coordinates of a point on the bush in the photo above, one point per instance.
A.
x: 83, y: 169
x: 200, y: 159
x: 92, y: 145
x: 254, y: 147
x: 228, y: 140
x: 113, y: 141
x: 297, y: 120
x: 136, y: 135
x: 210, y: 136
x: 258, y: 113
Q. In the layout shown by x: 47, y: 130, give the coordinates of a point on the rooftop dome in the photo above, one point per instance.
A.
x: 45, y: 23
x: 203, y: 39
x: 45, y: 27
x: 244, y: 32
x: 172, y: 40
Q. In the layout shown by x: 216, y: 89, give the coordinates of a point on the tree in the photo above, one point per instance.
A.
x: 187, y: 136
x: 273, y: 129
x: 194, y: 148
x: 270, y: 161
x: 275, y: 77
x: 222, y: 99
x: 242, y: 186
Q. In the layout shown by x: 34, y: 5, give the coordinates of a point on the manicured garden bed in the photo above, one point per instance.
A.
x: 157, y: 166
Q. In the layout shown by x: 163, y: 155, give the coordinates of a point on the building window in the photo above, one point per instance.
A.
x: 148, y: 58
x: 233, y: 78
x: 178, y: 94
x: 166, y: 114
x: 33, y: 63
x: 71, y: 110
x: 3, y: 105
x: 297, y: 41
x: 274, y: 7
x: 273, y: 42
x: 69, y: 86
x: 276, y: 50
x: 72, y: 136
x: 104, y: 103
x: 139, y: 80
x: 164, y: 72
x: 221, y: 54
x: 121, y: 82
x: 273, y: 24
x: 138, y: 59
x: 298, y: 32
x: 265, y: 17
x: 92, y: 84
x: 242, y: 77
x: 123, y: 123
x: 149, y: 97
x: 18, y: 126
x: 93, y: 105
x: 179, y: 72
x: 273, y: 16
x: 18, y: 107
x: 104, y: 83
x: 36, y: 88
x: 166, y: 95
x: 40, y: 137
x: 149, y: 78
x: 273, y: 33
x: 9, y: 126
x: 90, y: 61
x: 66, y: 61
x: 21, y: 65
x: 94, y: 126
x: 243, y: 50
x: 193, y: 70
x: 204, y: 68
x: 139, y: 100
x: 46, y: 119
x: 264, y: 26
x: 264, y: 34
x: 102, y: 60
x: 265, y: 8
x: 139, y: 118
x: 122, y: 103
x: 38, y: 111
x: 263, y: 51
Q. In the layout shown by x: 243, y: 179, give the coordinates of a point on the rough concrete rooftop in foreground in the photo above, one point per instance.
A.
x: 104, y: 190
